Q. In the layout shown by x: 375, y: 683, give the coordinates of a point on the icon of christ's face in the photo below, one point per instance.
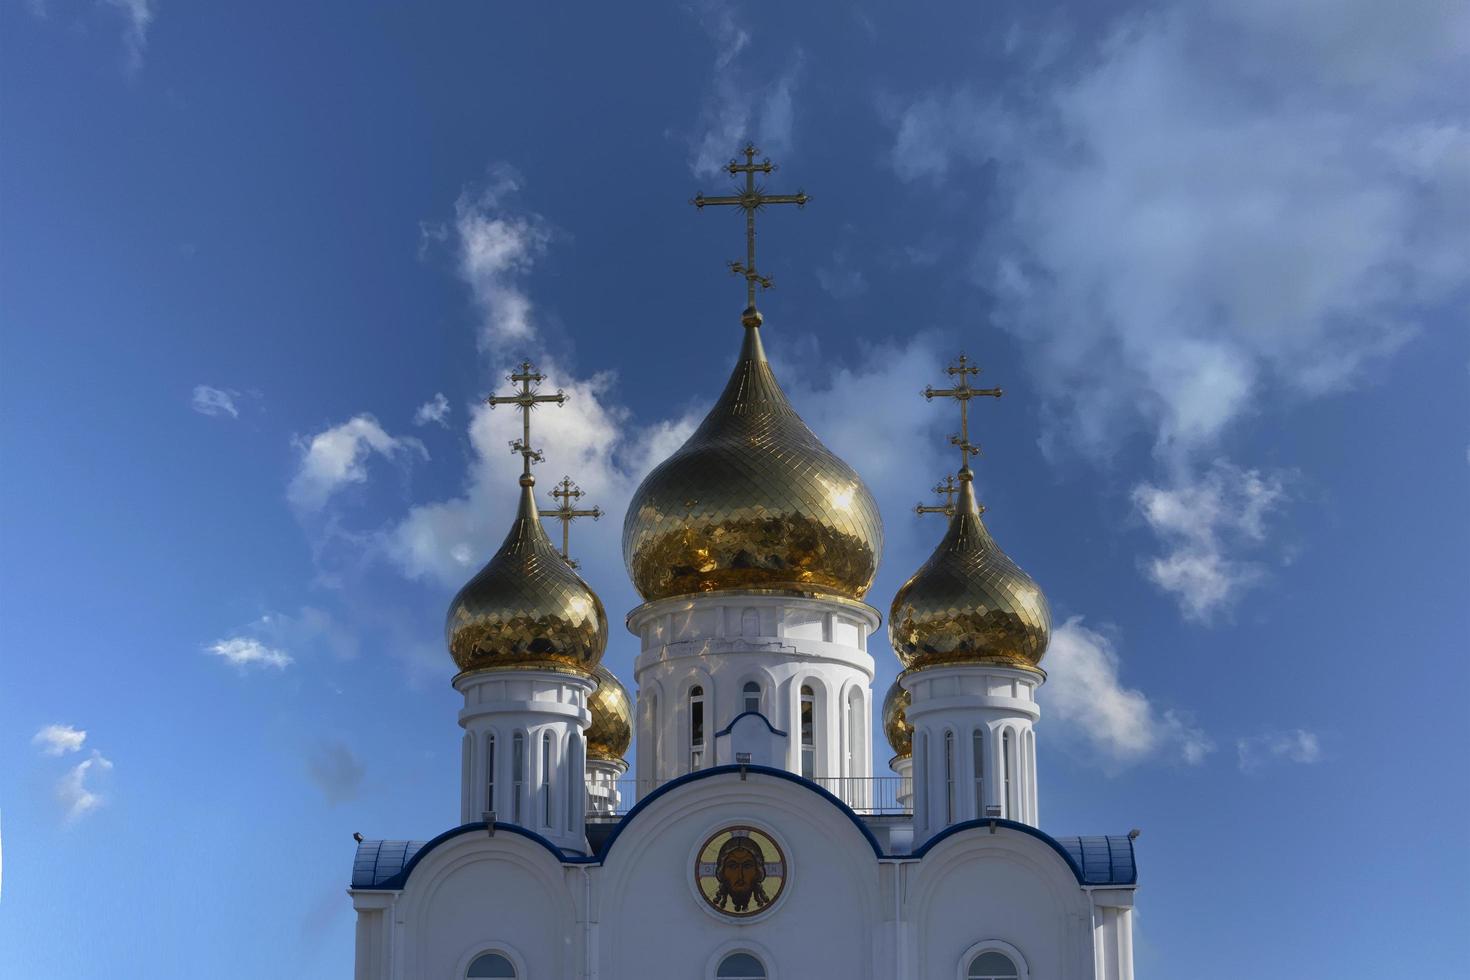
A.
x: 740, y: 871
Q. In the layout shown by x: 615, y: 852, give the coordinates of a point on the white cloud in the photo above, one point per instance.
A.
x: 435, y: 410
x: 1201, y: 522
x: 1216, y: 202
x: 1084, y: 695
x: 309, y: 628
x: 137, y: 16
x: 335, y: 771
x: 74, y: 791
x: 245, y: 651
x: 215, y: 401
x: 497, y: 244
x: 337, y: 457
x: 59, y: 739
x: 1297, y: 745
x: 740, y: 106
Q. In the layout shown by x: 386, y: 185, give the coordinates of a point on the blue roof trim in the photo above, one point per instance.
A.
x: 773, y: 728
x: 1108, y: 860
x: 387, y: 864
x: 1093, y: 860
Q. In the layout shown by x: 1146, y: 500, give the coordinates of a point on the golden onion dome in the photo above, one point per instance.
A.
x: 526, y: 608
x: 969, y: 603
x: 611, y: 730
x: 896, y: 722
x: 752, y: 500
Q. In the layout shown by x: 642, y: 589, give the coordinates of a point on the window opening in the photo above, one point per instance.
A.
x: 491, y: 965
x: 490, y: 771
x: 696, y: 727
x: 517, y: 774
x: 1005, y: 746
x: 949, y: 776
x: 740, y: 966
x: 979, y: 750
x: 808, y: 731
x: 992, y: 965
x: 546, y: 779
x: 752, y: 692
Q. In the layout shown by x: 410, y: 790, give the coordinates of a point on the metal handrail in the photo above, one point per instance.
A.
x: 867, y: 795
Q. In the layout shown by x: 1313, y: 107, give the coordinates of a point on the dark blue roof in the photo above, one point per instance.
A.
x: 386, y: 864
x: 1103, y: 860
x: 378, y: 861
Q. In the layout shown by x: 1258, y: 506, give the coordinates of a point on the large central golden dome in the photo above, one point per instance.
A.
x: 752, y: 501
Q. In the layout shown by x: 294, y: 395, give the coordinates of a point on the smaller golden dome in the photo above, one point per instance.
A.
x: 969, y: 603
x: 526, y: 608
x: 896, y: 722
x: 611, y: 730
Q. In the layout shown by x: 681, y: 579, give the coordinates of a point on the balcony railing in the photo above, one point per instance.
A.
x: 868, y: 795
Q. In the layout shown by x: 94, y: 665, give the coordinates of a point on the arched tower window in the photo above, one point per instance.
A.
x: 992, y: 965
x: 949, y: 777
x: 752, y: 696
x: 517, y: 774
x: 978, y: 745
x: 491, y: 965
x: 490, y: 771
x: 808, y: 731
x: 1007, y: 750
x: 696, y: 727
x: 546, y: 779
x: 740, y: 966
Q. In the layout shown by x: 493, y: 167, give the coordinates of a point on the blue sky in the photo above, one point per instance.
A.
x: 259, y: 262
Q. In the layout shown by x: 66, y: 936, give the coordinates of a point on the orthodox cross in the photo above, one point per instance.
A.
x: 962, y: 392
x: 529, y: 379
x: 752, y: 200
x: 566, y: 491
x: 947, y: 490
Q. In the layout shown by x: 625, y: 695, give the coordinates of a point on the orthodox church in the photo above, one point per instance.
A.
x: 754, y: 840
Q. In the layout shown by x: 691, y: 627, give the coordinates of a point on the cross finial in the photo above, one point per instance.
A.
x: 751, y: 200
x: 947, y: 490
x: 526, y: 399
x: 962, y: 391
x: 565, y: 492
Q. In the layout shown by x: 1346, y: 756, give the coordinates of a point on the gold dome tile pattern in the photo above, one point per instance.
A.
x: 969, y: 603
x: 752, y: 501
x: 611, y: 730
x: 895, y: 721
x: 526, y: 608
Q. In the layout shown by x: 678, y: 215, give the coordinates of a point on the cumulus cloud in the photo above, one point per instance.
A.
x: 335, y: 771
x: 215, y: 401
x: 246, y: 651
x: 1297, y: 745
x: 1202, y: 522
x: 1217, y: 201
x: 75, y: 790
x: 740, y: 106
x: 435, y: 410
x: 337, y: 457
x: 1085, y: 696
x: 59, y: 739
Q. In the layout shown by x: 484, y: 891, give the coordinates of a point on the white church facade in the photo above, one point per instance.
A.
x: 754, y: 836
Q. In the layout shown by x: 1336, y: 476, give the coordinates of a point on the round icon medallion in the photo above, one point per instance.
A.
x: 740, y: 871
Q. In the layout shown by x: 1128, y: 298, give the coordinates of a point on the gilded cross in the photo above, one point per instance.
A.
x: 527, y: 398
x: 565, y: 493
x: 962, y: 391
x: 947, y: 490
x: 750, y: 201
